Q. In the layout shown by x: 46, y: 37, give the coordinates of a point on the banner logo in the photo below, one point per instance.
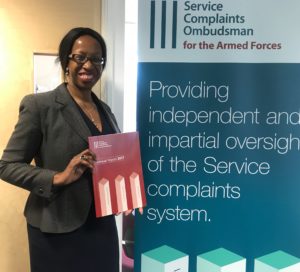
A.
x: 162, y: 28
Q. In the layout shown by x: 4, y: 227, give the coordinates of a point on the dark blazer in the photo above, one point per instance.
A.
x: 51, y: 131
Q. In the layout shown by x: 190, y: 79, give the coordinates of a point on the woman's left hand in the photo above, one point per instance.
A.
x: 141, y: 211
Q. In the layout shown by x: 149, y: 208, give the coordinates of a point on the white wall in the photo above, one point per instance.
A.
x: 113, y: 29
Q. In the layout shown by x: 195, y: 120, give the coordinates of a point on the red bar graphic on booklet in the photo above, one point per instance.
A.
x: 118, y: 181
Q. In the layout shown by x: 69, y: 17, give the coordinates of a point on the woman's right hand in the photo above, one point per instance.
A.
x: 75, y: 168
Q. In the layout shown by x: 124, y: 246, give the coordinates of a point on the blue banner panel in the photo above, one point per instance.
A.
x: 220, y: 146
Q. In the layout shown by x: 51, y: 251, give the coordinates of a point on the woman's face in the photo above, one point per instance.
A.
x: 84, y: 73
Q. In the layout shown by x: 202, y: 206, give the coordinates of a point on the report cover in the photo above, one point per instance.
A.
x: 117, y: 176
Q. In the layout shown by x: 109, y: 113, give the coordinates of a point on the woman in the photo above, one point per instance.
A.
x: 53, y: 129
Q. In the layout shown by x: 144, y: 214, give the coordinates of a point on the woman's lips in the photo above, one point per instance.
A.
x: 86, y: 77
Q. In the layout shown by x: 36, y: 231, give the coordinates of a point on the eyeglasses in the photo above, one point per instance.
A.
x: 82, y: 59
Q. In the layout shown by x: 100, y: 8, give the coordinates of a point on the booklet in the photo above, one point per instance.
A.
x: 118, y: 180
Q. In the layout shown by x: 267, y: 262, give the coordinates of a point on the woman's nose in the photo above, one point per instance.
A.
x: 88, y: 64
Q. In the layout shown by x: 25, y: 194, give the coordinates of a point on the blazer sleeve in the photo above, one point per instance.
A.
x: 22, y: 147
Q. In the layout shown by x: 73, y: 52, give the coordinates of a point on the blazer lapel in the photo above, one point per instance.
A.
x: 108, y: 114
x: 70, y: 112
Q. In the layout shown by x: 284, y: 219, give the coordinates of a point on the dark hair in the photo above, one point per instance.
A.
x: 67, y: 42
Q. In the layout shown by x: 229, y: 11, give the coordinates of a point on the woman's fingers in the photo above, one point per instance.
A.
x: 87, y: 158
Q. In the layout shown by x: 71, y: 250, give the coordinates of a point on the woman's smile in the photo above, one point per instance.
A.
x: 86, y: 77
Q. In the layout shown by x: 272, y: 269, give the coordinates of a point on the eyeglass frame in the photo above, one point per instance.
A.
x: 86, y: 59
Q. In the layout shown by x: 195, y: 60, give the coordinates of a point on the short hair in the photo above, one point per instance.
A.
x: 66, y: 44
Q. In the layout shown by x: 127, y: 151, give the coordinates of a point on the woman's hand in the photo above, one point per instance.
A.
x: 141, y: 211
x: 75, y: 168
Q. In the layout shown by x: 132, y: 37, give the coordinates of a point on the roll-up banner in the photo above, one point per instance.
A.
x: 219, y: 123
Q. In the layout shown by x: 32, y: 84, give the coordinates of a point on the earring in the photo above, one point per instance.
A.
x: 66, y: 75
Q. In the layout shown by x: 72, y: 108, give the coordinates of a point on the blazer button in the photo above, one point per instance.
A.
x: 41, y: 191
